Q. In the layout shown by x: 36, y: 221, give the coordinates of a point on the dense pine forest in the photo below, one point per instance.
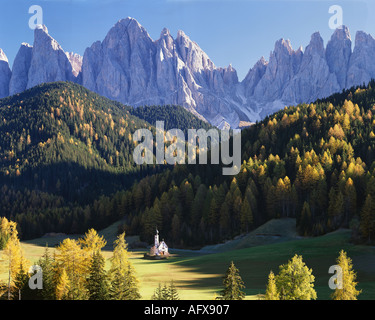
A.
x: 66, y: 166
x: 173, y: 117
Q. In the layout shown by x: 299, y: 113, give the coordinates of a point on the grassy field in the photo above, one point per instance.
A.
x: 198, y: 275
x: 273, y: 231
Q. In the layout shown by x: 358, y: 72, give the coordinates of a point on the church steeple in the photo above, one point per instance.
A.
x: 156, y: 242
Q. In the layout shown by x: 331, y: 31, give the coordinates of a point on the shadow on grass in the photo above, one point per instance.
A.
x: 255, y: 264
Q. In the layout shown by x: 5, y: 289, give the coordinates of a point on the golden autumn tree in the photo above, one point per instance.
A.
x: 348, y: 290
x: 63, y: 286
x: 92, y: 242
x: 6, y: 228
x: 13, y: 254
x: 271, y: 291
x: 120, y: 258
x: 75, y: 261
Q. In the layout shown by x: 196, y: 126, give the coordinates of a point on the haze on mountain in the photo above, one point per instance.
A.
x: 130, y: 67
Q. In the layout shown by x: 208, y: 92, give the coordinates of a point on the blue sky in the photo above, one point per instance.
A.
x: 229, y: 31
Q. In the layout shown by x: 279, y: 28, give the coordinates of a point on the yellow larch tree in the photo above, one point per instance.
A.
x: 92, y: 242
x: 63, y: 286
x: 271, y: 291
x: 348, y: 290
x: 75, y: 261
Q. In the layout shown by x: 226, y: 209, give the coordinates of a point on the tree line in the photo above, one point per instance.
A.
x: 74, y: 271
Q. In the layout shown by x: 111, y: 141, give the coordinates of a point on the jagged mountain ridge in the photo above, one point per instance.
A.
x: 130, y: 67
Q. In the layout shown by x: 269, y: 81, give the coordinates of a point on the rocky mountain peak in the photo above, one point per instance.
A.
x: 361, y: 67
x: 48, y: 63
x: 5, y: 75
x: 76, y: 61
x: 3, y: 56
x: 341, y: 34
x: 165, y: 33
x: 316, y: 45
x: 42, y: 38
x: 363, y: 39
x: 283, y: 45
x: 20, y: 71
x: 338, y: 52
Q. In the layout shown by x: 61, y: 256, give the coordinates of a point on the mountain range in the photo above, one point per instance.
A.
x: 130, y: 67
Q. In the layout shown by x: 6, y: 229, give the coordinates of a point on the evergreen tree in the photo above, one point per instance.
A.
x: 367, y: 224
x: 158, y: 293
x: 21, y: 290
x: 131, y: 284
x: 97, y: 285
x: 166, y: 292
x: 49, y: 276
x: 233, y: 284
x: 124, y: 284
x: 173, y: 293
x: 246, y: 216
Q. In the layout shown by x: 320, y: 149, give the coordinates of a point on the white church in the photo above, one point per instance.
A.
x: 159, y: 249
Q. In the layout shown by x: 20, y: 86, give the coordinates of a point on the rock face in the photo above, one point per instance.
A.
x: 20, y: 71
x: 338, y: 52
x: 76, y: 62
x: 49, y: 62
x: 291, y: 77
x: 362, y: 61
x: 313, y: 78
x: 5, y: 75
x: 45, y: 61
x: 130, y: 67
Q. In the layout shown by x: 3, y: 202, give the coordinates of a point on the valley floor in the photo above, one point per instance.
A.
x: 198, y: 275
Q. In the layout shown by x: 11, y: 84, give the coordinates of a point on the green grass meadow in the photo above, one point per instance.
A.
x: 198, y: 275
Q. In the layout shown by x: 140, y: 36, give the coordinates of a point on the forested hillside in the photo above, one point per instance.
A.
x: 313, y: 162
x: 63, y: 147
x: 173, y: 117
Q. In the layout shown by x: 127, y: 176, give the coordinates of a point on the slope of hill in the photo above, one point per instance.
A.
x: 52, y: 133
x: 62, y: 148
x: 173, y: 117
x: 273, y: 231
